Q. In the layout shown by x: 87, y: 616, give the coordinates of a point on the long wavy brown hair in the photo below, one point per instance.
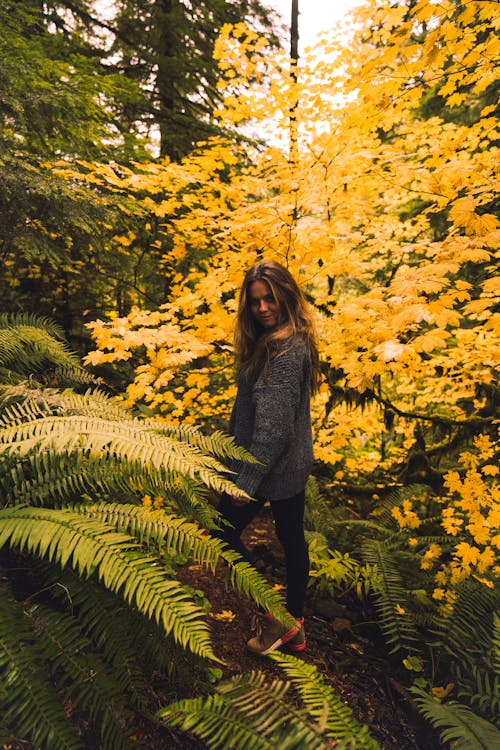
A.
x: 254, y: 346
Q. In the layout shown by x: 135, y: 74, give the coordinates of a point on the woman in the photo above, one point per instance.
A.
x: 278, y: 368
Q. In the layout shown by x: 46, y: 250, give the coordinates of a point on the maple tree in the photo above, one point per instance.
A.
x: 387, y: 220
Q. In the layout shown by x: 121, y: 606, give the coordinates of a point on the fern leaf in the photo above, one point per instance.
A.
x: 217, y: 443
x: 249, y: 581
x: 212, y: 721
x: 29, y: 703
x: 246, y: 714
x: 129, y: 440
x: 80, y: 674
x: 364, y: 524
x: 324, y: 707
x: 480, y: 687
x: 175, y: 536
x: 26, y: 347
x: 131, y: 645
x: 495, y: 639
x: 392, y: 599
x: 169, y: 534
x: 98, y: 404
x: 90, y: 547
x: 318, y: 514
x: 468, y: 630
x: 55, y: 479
x: 458, y: 724
x: 11, y: 320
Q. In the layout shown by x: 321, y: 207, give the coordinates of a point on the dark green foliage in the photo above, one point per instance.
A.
x: 55, y: 95
x: 392, y: 598
x: 470, y: 640
x: 87, y: 681
x: 249, y: 713
x: 28, y: 699
x: 323, y: 706
x: 170, y: 53
x: 56, y: 103
x: 458, y: 646
x: 458, y: 725
x: 29, y: 343
x: 92, y: 606
x: 97, y: 550
x: 318, y: 513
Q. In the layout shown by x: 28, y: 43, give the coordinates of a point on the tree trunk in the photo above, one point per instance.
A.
x: 294, y: 57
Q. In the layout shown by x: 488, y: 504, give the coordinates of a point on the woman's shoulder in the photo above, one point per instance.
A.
x: 289, y: 354
x: 293, y: 344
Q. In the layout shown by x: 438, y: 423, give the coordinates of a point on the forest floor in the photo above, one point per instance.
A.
x: 359, y: 670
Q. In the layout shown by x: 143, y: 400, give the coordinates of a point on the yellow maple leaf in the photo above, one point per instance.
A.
x: 225, y: 616
x: 442, y: 692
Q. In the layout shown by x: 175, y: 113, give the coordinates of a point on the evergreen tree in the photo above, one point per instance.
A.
x: 167, y: 46
x: 58, y: 102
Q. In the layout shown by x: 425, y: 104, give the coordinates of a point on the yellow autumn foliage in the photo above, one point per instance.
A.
x: 383, y: 214
x: 354, y: 216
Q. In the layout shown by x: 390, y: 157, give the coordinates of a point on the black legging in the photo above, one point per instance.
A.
x: 289, y: 523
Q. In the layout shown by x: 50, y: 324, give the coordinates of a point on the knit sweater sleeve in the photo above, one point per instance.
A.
x: 276, y: 395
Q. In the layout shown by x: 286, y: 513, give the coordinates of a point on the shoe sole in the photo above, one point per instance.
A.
x: 296, y: 649
x: 279, y: 642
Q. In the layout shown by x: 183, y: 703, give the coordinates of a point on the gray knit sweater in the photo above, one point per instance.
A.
x: 271, y: 418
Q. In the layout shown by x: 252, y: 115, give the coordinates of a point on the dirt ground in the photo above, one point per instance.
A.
x: 361, y: 673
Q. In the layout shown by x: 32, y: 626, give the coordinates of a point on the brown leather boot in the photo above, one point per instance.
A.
x: 270, y: 634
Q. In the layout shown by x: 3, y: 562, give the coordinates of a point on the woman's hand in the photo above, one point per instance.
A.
x: 239, y: 501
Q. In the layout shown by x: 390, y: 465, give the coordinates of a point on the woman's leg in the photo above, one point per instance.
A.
x: 289, y: 521
x: 239, y: 518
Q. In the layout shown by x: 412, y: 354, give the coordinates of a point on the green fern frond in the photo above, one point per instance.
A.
x: 470, y: 638
x: 383, y: 513
x: 49, y: 326
x: 28, y: 345
x: 192, y: 500
x: 50, y: 479
x: 90, y: 547
x: 76, y: 377
x: 245, y: 578
x: 174, y: 536
x: 96, y: 403
x: 393, y: 603
x: 364, y: 524
x: 133, y: 646
x: 129, y: 440
x: 480, y: 688
x: 323, y: 706
x: 212, y: 720
x: 458, y: 724
x: 467, y: 631
x: 113, y: 463
x: 318, y: 513
x: 55, y: 479
x: 43, y: 401
x: 423, y: 541
x: 169, y: 534
x: 495, y: 643
x: 247, y: 713
x: 29, y: 703
x: 80, y: 674
x: 217, y: 443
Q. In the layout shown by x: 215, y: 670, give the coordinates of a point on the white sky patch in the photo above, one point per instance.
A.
x: 315, y: 16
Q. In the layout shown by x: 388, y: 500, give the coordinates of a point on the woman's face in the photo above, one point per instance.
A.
x: 264, y: 308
